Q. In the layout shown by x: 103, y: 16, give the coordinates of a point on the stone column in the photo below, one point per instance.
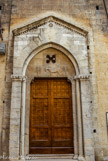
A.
x: 79, y: 118
x: 75, y: 119
x: 15, y: 117
x: 23, y: 117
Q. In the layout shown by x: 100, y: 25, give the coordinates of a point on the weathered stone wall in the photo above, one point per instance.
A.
x: 2, y: 82
x: 82, y: 11
x: 101, y: 65
x: 5, y: 24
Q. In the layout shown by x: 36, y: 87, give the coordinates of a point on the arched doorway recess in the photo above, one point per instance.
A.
x: 51, y: 117
x: 62, y: 69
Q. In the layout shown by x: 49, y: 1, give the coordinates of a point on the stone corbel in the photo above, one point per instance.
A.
x: 18, y: 78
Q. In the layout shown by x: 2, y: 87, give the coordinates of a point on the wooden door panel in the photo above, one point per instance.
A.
x: 62, y: 150
x: 51, y: 117
x: 40, y: 137
x: 40, y: 150
x: 62, y: 134
x: 40, y: 131
x: 61, y: 88
x: 61, y: 112
x: 39, y: 88
x: 40, y: 112
x: 62, y: 123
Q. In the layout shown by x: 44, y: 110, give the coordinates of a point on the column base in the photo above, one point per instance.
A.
x: 75, y: 156
x: 81, y: 158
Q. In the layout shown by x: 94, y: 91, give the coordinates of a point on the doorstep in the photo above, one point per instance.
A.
x: 50, y: 157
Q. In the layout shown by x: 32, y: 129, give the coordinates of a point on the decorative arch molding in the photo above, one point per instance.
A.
x: 55, y: 46
x: 53, y: 31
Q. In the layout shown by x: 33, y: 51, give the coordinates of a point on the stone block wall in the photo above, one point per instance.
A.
x: 2, y: 82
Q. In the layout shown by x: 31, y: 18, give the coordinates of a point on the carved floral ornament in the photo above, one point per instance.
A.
x: 50, y: 20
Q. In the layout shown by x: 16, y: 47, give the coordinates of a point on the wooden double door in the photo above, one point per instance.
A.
x: 51, y: 123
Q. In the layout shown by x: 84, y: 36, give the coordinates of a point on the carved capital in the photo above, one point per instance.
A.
x: 18, y: 78
x: 81, y: 77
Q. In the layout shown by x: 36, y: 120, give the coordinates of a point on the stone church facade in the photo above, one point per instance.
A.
x: 54, y: 69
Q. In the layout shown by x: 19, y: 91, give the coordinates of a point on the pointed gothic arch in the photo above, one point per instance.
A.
x: 55, y: 46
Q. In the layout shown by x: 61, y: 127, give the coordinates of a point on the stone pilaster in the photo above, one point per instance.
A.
x: 87, y: 118
x: 15, y: 116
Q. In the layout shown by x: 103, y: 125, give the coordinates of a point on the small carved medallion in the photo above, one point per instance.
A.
x: 50, y: 25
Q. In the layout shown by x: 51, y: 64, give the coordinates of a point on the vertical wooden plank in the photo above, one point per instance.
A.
x: 62, y: 117
x: 40, y: 135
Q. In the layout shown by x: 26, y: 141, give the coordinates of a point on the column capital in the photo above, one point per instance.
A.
x: 18, y: 78
x: 81, y: 77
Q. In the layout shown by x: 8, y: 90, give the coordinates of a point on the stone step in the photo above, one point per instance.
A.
x: 50, y: 158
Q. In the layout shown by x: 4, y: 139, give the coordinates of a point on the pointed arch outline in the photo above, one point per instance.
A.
x: 55, y: 46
